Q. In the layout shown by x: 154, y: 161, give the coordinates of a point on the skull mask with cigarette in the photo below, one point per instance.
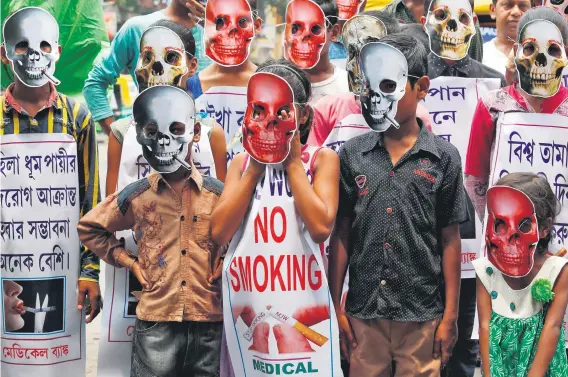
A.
x: 540, y: 58
x: 450, y: 28
x: 162, y: 59
x: 270, y: 118
x: 229, y: 31
x: 165, y: 121
x: 559, y: 5
x: 348, y: 8
x: 357, y: 32
x: 31, y: 38
x: 512, y: 231
x: 385, y: 70
x: 305, y: 33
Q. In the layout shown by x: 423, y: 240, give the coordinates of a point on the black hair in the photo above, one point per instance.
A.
x: 391, y: 24
x: 417, y: 31
x: 546, y: 204
x: 428, y: 6
x: 533, y: 3
x: 300, y: 84
x: 413, y: 50
x: 544, y: 13
x: 330, y: 10
x: 182, y: 32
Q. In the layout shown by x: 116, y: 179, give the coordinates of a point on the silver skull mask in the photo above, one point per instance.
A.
x: 385, y: 70
x: 357, y: 32
x: 162, y: 59
x: 31, y: 38
x: 540, y: 58
x: 165, y: 119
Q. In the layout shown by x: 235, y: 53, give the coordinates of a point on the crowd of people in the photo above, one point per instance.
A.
x: 294, y: 210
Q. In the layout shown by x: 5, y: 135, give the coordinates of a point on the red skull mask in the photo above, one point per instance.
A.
x: 305, y: 33
x: 512, y: 233
x: 270, y: 119
x: 348, y: 8
x: 229, y: 30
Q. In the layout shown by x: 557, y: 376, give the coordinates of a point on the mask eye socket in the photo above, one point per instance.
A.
x: 387, y: 86
x: 285, y: 112
x: 22, y: 47
x: 150, y: 130
x: 147, y: 57
x: 499, y: 227
x: 529, y: 49
x: 465, y: 18
x: 440, y: 14
x: 45, y: 47
x: 317, y: 29
x: 554, y: 50
x: 258, y: 112
x: 173, y: 58
x: 220, y: 23
x: 177, y: 128
x: 244, y: 23
x: 525, y: 226
x: 296, y: 28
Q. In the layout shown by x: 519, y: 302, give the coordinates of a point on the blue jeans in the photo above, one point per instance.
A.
x: 176, y: 349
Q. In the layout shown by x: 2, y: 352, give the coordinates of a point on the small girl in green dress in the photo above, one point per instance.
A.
x: 522, y: 290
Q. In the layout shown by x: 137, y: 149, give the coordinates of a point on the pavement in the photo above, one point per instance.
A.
x: 94, y: 328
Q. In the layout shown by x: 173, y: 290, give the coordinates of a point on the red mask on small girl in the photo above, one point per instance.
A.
x: 270, y: 118
x: 512, y: 232
x: 305, y: 33
x: 229, y: 30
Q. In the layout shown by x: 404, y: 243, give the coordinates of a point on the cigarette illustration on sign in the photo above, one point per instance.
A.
x: 308, y: 333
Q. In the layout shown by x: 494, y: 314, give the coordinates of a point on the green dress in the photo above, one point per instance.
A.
x: 517, y: 321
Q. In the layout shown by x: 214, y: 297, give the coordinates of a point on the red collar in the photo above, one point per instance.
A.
x: 549, y: 105
x: 10, y: 101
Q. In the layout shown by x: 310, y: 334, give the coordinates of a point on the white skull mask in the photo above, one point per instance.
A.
x: 162, y: 59
x: 31, y: 38
x: 165, y: 119
x: 559, y: 5
x: 450, y: 27
x: 357, y: 32
x: 386, y: 72
x: 540, y: 58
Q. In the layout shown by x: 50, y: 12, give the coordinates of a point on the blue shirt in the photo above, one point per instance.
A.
x: 193, y: 86
x: 337, y: 50
x: 124, y: 52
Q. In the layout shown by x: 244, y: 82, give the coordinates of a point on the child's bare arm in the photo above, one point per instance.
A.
x: 219, y: 150
x: 114, y: 154
x: 484, y: 316
x: 550, y: 335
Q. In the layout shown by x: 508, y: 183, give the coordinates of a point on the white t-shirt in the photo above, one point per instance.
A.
x: 336, y: 84
x: 493, y: 58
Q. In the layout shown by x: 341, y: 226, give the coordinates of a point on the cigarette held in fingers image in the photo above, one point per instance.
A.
x: 310, y: 334
x: 260, y: 317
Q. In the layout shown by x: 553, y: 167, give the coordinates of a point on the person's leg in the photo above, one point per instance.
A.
x: 203, y: 354
x: 156, y: 349
x: 372, y: 357
x: 413, y: 346
x: 464, y: 356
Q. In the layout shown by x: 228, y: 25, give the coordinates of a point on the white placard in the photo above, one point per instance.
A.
x: 227, y: 105
x: 451, y: 102
x: 39, y: 199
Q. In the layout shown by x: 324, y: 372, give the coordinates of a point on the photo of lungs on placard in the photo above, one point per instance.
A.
x: 511, y: 234
x: 270, y: 118
x: 305, y: 33
x: 229, y: 31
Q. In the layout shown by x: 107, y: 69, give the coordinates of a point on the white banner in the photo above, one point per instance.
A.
x: 227, y: 105
x: 43, y: 333
x: 451, y: 102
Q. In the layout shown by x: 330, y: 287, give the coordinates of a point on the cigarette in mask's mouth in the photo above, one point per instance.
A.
x: 51, y: 78
x: 183, y: 163
x: 394, y: 122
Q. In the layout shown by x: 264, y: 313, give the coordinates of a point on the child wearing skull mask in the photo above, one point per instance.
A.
x: 178, y: 328
x: 522, y: 292
x: 401, y: 192
x: 212, y: 158
x: 513, y: 98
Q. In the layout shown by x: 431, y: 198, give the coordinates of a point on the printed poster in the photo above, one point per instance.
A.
x: 451, y: 102
x: 43, y: 333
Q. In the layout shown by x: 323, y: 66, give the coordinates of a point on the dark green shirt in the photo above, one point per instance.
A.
x: 399, y: 10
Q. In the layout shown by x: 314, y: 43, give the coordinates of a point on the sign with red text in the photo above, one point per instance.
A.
x: 42, y: 331
x: 451, y: 102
